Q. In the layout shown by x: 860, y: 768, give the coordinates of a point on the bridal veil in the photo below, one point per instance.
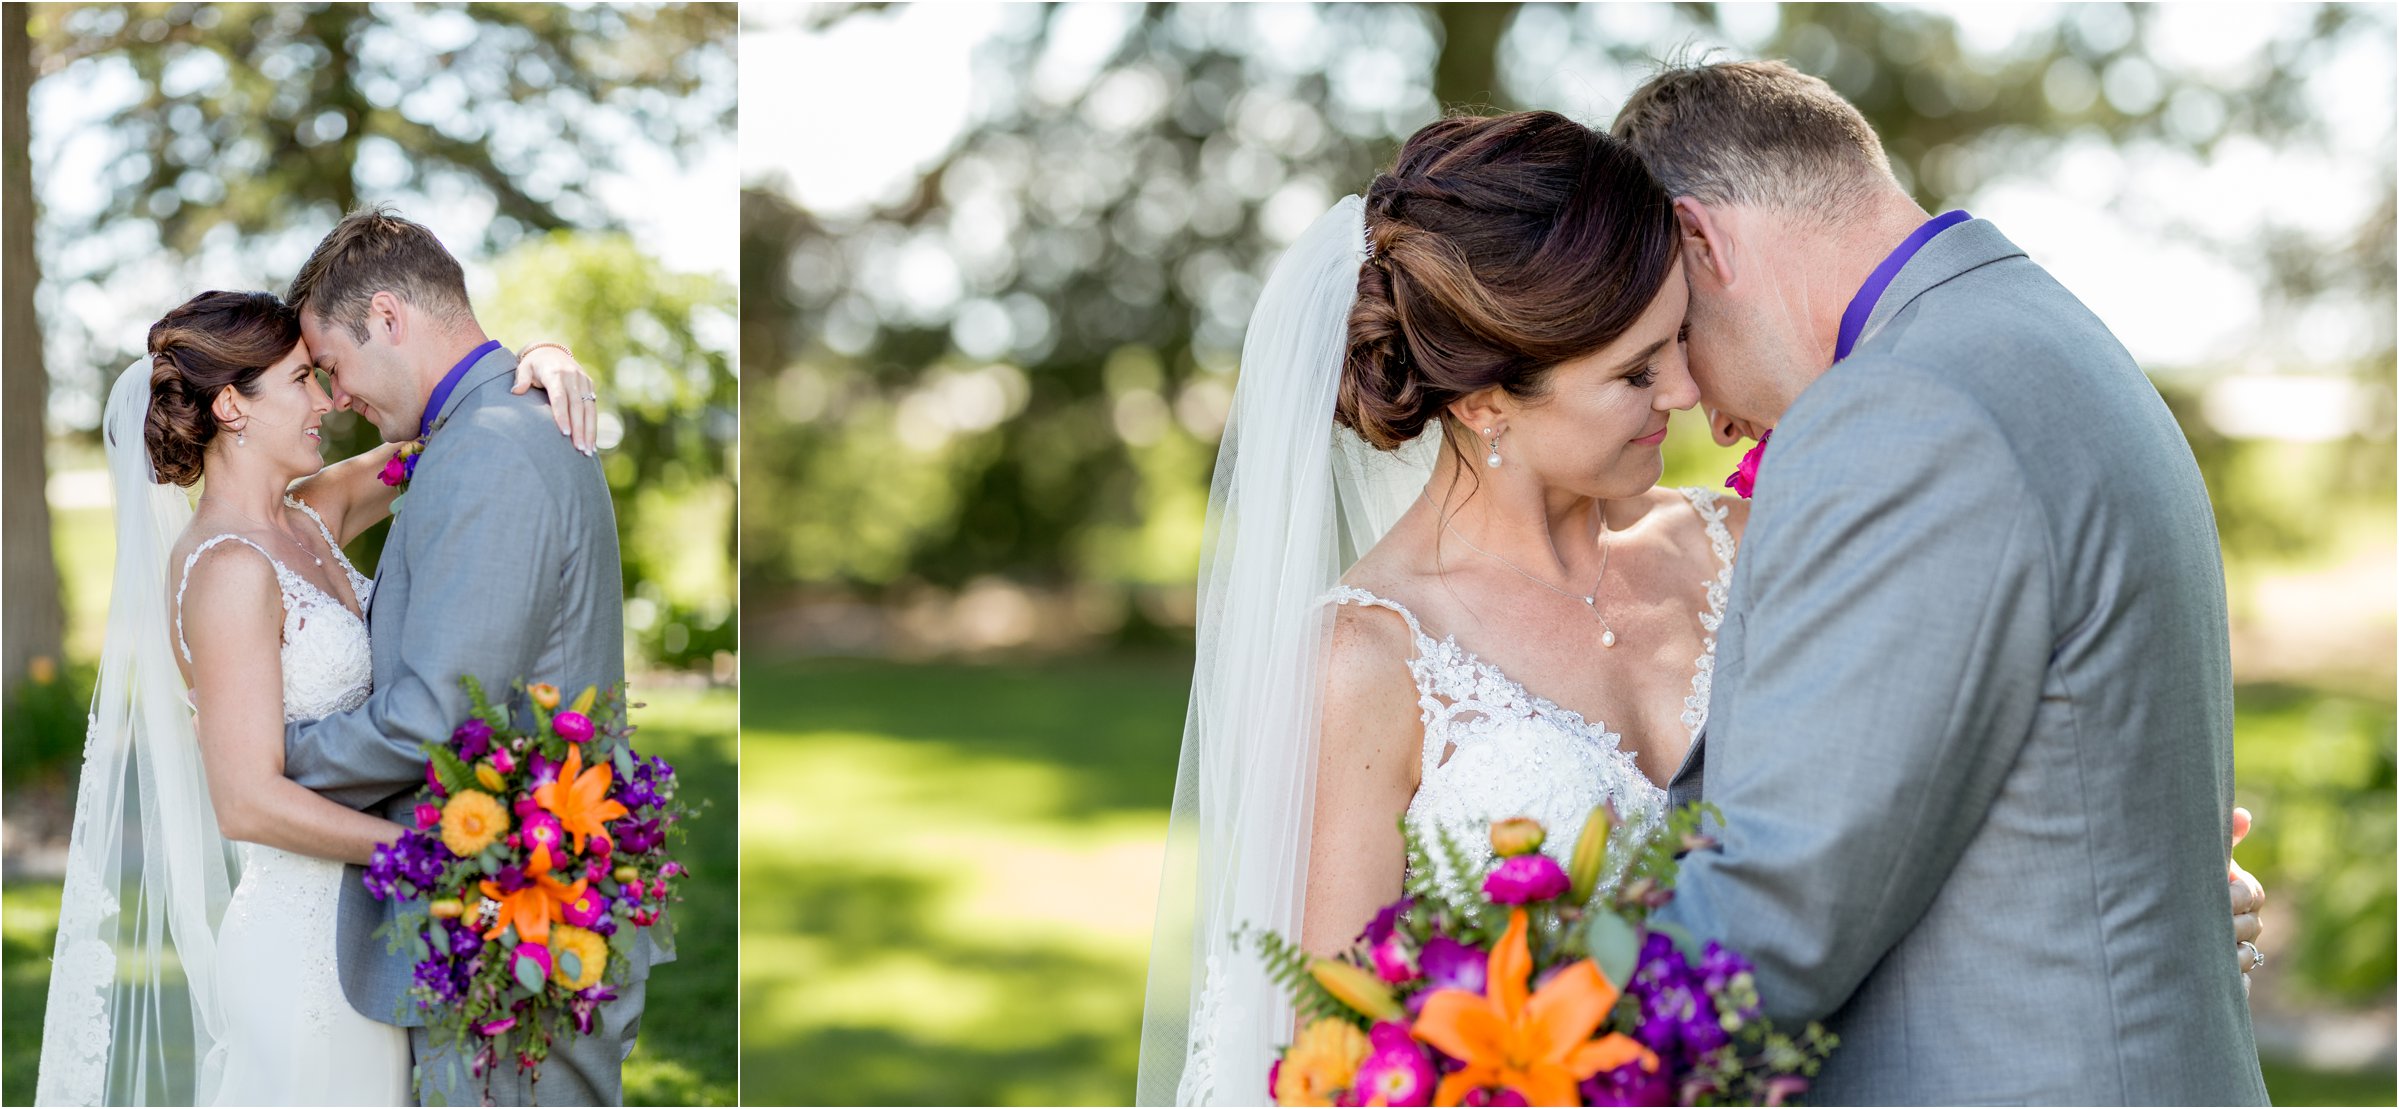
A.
x: 1293, y: 502
x: 132, y: 1017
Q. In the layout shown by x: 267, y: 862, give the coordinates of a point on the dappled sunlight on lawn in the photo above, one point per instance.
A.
x: 953, y: 906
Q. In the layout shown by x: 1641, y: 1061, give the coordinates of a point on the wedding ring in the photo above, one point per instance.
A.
x: 591, y: 396
x: 2257, y: 958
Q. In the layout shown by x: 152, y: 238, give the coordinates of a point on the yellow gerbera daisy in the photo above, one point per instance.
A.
x: 588, y: 947
x: 472, y: 821
x: 1320, y: 1063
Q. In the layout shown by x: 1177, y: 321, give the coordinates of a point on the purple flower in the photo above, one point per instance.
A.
x: 1523, y: 878
x: 1396, y: 1070
x: 1379, y: 929
x: 1628, y: 1085
x: 1492, y: 1095
x: 638, y: 837
x: 1449, y: 965
x: 472, y: 740
x: 543, y: 771
x: 511, y: 878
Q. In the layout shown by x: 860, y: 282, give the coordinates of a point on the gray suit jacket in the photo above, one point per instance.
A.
x: 502, y: 563
x: 1971, y: 727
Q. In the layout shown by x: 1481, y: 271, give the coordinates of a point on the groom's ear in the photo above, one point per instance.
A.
x: 1705, y: 243
x: 388, y: 314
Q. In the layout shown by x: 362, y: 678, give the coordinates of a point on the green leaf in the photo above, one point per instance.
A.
x: 528, y: 975
x: 1615, y: 946
x: 570, y: 964
x: 452, y: 771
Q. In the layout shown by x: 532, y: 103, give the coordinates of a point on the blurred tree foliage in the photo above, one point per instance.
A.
x: 248, y: 123
x: 1020, y: 366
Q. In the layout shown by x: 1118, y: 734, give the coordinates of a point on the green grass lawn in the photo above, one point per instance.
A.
x: 948, y: 877
x: 687, y: 1053
x: 950, y: 871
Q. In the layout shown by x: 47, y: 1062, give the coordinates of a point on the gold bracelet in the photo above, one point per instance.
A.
x: 545, y: 343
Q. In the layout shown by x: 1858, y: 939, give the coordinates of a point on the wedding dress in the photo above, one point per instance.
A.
x: 171, y: 983
x: 292, y: 1038
x: 1510, y: 752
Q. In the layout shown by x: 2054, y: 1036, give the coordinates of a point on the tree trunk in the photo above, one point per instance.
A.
x: 1467, y: 76
x: 33, y: 621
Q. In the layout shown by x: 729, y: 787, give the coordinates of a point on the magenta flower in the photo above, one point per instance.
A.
x: 433, y: 782
x: 670, y: 870
x: 586, y: 910
x: 1396, y: 1070
x: 395, y: 471
x: 1393, y: 962
x: 572, y: 726
x: 543, y: 830
x: 1524, y: 878
x: 1745, y: 480
x: 502, y: 761
x: 495, y: 1027
x: 427, y: 816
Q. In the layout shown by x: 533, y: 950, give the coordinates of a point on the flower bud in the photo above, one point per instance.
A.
x: 1357, y: 988
x: 572, y: 726
x: 543, y: 694
x: 1590, y: 853
x: 1521, y: 835
x: 488, y: 776
x: 447, y: 908
x: 626, y: 875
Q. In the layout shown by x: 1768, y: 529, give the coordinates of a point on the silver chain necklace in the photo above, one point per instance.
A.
x: 1607, y: 637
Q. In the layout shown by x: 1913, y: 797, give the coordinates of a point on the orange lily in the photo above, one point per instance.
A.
x: 532, y: 908
x: 579, y: 798
x: 1541, y: 1045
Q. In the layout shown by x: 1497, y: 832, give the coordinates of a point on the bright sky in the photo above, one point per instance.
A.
x: 842, y: 135
x: 680, y: 208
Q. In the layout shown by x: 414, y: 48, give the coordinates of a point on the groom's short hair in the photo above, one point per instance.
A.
x: 1756, y: 133
x: 373, y: 250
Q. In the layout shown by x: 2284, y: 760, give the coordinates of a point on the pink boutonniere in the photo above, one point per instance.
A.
x: 402, y: 466
x: 1745, y: 480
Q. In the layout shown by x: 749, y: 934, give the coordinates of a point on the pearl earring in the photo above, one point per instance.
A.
x: 1492, y: 460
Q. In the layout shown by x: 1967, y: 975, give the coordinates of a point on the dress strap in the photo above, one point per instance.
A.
x: 290, y: 501
x: 185, y: 580
x: 1418, y: 666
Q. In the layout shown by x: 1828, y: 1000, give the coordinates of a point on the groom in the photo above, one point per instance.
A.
x: 1971, y: 727
x: 501, y: 563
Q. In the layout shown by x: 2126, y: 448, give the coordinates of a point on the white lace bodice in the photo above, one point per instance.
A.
x: 1513, y: 753
x: 328, y: 664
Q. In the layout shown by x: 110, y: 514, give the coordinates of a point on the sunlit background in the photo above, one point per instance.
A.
x: 579, y: 162
x: 996, y: 263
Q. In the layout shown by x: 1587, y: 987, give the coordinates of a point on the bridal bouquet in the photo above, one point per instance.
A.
x: 1532, y: 991
x: 534, y: 856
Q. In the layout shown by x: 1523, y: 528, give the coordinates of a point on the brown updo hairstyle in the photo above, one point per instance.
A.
x: 211, y: 341
x: 1502, y: 246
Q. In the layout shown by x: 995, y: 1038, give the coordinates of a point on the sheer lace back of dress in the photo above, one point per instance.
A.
x: 328, y: 661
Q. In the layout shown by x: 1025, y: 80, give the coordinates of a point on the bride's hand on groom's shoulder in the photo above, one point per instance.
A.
x: 574, y: 397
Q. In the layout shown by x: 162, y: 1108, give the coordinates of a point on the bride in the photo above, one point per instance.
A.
x: 174, y: 982
x: 1440, y: 584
